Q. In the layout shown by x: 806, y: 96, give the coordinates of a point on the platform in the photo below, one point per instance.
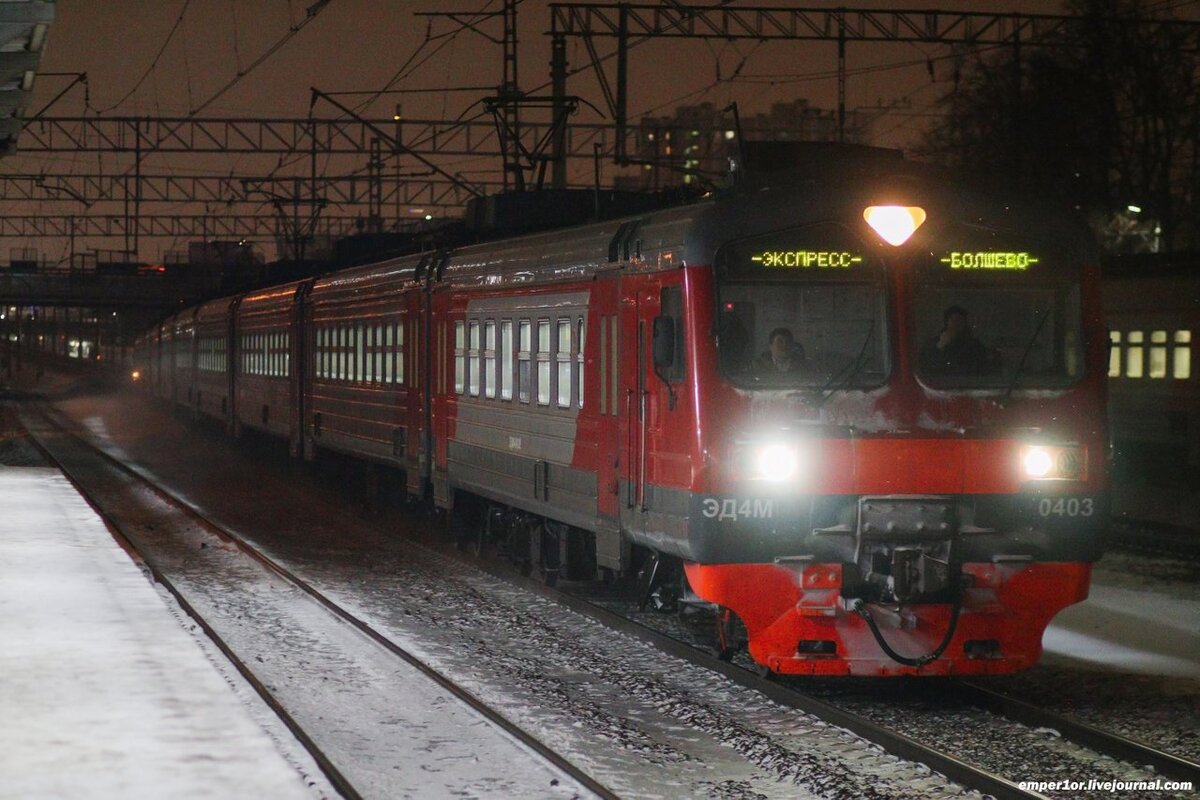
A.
x: 106, y: 692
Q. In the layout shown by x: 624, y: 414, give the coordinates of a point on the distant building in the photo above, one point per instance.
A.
x: 698, y: 141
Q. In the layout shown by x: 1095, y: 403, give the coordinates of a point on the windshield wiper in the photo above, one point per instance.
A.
x: 1012, y: 384
x: 836, y: 382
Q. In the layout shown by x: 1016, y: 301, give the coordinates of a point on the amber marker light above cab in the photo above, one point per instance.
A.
x: 894, y: 224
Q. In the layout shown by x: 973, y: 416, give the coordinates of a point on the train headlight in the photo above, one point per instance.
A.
x: 769, y: 461
x: 1037, y: 462
x: 895, y: 224
x: 777, y: 463
x: 1053, y: 463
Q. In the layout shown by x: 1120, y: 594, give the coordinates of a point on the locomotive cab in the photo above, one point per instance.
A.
x: 905, y: 430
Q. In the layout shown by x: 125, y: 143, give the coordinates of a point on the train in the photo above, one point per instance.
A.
x: 856, y: 406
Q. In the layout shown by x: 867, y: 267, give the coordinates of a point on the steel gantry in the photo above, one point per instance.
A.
x: 297, y: 137
x: 628, y: 23
x: 405, y: 192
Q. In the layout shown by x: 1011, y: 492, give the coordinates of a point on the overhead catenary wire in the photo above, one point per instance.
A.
x: 310, y: 14
x: 154, y: 62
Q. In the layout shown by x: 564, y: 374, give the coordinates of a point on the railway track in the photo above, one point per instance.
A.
x: 789, y: 692
x: 1155, y: 539
x: 790, y: 696
x: 118, y: 525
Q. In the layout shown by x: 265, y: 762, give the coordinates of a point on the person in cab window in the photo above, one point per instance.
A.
x: 955, y: 350
x: 785, y: 355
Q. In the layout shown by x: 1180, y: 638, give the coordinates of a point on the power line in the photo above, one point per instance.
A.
x: 157, y: 56
x: 310, y: 14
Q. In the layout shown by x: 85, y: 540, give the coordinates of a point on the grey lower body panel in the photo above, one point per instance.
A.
x: 553, y: 490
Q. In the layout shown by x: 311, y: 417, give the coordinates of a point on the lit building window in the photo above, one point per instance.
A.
x: 1183, y: 355
x: 1158, y: 354
x: 1134, y: 355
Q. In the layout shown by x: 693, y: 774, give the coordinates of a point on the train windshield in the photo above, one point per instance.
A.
x: 801, y: 309
x: 998, y: 318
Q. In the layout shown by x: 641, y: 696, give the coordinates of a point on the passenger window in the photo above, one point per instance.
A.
x: 562, y: 356
x: 580, y: 338
x: 543, y: 362
x: 473, y: 358
x: 399, y: 355
x: 460, y: 356
x: 506, y: 360
x: 360, y: 353
x: 369, y: 372
x: 1114, y: 354
x: 525, y: 345
x: 489, y: 359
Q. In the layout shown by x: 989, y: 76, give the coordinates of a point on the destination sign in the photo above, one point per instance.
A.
x: 1019, y: 261
x: 806, y: 259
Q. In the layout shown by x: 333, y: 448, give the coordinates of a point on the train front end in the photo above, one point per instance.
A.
x: 901, y: 425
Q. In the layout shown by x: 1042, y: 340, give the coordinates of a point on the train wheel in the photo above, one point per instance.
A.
x: 553, y: 556
x: 522, y: 541
x: 483, y: 542
x: 731, y: 634
x: 466, y: 521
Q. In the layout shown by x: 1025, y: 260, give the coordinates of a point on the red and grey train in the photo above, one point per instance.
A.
x: 862, y: 406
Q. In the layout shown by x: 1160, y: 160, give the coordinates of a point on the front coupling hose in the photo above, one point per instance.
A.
x: 860, y: 607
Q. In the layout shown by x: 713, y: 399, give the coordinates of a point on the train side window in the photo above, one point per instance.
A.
x: 580, y: 338
x: 460, y: 356
x: 360, y: 353
x: 489, y: 358
x: 400, y: 351
x: 473, y: 352
x: 506, y: 359
x: 321, y: 352
x: 369, y: 354
x: 543, y: 362
x: 671, y: 303
x: 1114, y: 354
x: 335, y: 344
x: 1183, y: 355
x: 524, y: 374
x: 389, y: 354
x: 383, y: 353
x: 1135, y: 355
x: 344, y: 368
x: 562, y: 357
x: 380, y: 354
x: 1158, y: 354
x: 377, y: 352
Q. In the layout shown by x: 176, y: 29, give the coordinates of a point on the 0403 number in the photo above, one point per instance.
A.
x: 1066, y: 507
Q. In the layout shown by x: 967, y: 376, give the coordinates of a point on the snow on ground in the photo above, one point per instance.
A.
x: 1136, y: 631
x: 104, y: 694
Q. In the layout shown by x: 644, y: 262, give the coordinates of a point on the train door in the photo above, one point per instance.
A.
x: 604, y: 333
x: 298, y: 367
x: 638, y: 304
x: 417, y: 384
